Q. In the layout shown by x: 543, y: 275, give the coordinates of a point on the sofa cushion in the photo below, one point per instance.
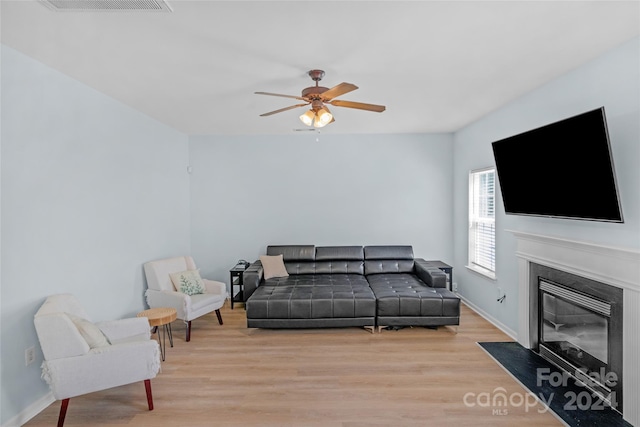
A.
x: 313, y: 297
x: 340, y: 267
x: 342, y: 253
x: 388, y: 252
x: 308, y: 259
x: 326, y: 267
x: 273, y: 266
x: 382, y: 266
x: 388, y: 259
x: 300, y: 267
x: 293, y: 252
x: 406, y: 295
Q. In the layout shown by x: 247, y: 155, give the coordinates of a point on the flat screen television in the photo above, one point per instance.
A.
x: 562, y: 170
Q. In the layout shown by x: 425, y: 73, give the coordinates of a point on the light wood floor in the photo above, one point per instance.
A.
x: 233, y: 376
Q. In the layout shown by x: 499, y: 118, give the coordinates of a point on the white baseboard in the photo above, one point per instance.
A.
x: 495, y: 322
x: 31, y: 411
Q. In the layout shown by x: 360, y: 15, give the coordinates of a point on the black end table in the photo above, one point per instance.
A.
x: 236, y: 280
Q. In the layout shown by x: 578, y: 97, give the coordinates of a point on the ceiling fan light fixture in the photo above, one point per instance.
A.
x: 317, y: 97
x: 307, y: 118
x: 323, y: 117
x: 318, y: 124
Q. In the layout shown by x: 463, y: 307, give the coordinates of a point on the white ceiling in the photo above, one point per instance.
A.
x: 436, y: 65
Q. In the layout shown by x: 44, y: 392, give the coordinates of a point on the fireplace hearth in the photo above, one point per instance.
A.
x: 578, y: 327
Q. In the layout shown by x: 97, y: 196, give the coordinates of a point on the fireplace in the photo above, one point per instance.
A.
x: 578, y: 327
x: 583, y: 262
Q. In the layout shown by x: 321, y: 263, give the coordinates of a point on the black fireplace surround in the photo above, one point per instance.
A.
x: 577, y: 325
x: 339, y: 286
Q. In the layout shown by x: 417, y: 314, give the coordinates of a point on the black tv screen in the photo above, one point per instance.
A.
x: 564, y: 169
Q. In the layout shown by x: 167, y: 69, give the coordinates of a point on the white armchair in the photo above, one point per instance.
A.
x: 161, y: 291
x: 81, y: 357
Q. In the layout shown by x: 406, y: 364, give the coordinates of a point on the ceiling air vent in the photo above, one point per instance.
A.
x: 107, y: 5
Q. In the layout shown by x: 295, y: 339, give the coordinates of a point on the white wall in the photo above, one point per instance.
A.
x: 250, y: 192
x: 611, y: 81
x: 91, y: 189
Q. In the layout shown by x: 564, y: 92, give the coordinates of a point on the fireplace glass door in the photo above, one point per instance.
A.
x: 574, y: 327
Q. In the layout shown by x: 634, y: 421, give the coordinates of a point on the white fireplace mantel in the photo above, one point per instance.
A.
x: 614, y: 266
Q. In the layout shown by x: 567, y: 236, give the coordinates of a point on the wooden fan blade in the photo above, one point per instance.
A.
x: 283, y: 109
x: 284, y: 96
x: 338, y: 90
x: 358, y: 105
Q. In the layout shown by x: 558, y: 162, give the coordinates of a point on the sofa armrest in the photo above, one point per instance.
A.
x: 432, y: 276
x: 251, y: 279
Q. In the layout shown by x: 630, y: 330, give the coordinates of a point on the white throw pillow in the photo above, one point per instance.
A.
x: 273, y: 266
x: 188, y: 282
x: 90, y: 332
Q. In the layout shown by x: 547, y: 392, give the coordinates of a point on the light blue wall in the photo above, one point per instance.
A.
x: 91, y: 189
x: 612, y: 81
x: 249, y: 192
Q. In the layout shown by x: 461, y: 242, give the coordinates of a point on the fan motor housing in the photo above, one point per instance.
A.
x: 313, y: 91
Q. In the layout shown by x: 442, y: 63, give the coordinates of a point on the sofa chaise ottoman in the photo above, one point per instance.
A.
x: 408, y: 292
x: 341, y: 286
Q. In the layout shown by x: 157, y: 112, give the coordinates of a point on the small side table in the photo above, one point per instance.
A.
x: 236, y: 280
x: 446, y: 268
x: 161, y: 316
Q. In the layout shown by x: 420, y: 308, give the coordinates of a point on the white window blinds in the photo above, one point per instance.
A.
x: 482, y: 242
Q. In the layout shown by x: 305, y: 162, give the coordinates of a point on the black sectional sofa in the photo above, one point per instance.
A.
x: 339, y: 286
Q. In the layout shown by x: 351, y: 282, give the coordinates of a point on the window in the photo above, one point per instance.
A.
x: 482, y: 227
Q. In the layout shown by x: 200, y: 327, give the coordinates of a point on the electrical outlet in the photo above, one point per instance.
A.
x: 454, y: 288
x: 29, y: 356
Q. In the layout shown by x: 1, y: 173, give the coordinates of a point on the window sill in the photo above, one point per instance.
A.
x: 482, y: 271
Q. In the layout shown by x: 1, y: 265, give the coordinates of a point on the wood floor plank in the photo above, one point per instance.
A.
x: 229, y: 375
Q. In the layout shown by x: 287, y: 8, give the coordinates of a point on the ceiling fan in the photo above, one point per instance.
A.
x: 317, y: 96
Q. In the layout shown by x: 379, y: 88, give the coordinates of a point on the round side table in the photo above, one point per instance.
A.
x: 161, y: 316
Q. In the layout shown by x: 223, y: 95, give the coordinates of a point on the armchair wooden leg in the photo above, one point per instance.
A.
x: 189, y: 331
x: 147, y: 386
x: 219, y: 316
x: 63, y: 412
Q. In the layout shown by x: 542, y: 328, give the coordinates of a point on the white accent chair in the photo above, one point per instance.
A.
x: 72, y: 367
x: 162, y: 293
